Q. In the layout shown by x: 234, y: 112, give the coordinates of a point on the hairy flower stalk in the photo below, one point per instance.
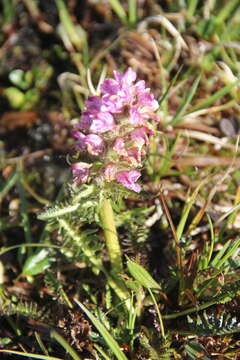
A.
x: 114, y: 132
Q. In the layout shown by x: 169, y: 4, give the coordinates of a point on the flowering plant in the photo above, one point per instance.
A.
x: 113, y: 132
x: 115, y: 129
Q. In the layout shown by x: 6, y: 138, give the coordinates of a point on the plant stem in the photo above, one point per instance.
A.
x: 191, y: 310
x: 110, y: 235
x: 158, y: 312
x: 175, y: 237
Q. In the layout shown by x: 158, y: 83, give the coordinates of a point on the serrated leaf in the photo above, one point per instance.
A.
x: 142, y: 275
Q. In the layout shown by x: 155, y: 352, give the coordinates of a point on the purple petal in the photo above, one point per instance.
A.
x: 81, y: 171
x: 94, y: 144
x: 146, y: 99
x: 113, y: 103
x: 119, y: 147
x: 118, y: 76
x: 110, y: 172
x: 134, y: 156
x: 110, y: 86
x: 80, y: 145
x: 85, y: 121
x: 128, y: 179
x: 102, y: 122
x: 136, y: 117
x: 94, y: 103
x: 129, y: 76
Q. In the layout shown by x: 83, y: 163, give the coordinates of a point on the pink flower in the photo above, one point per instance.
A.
x: 134, y: 156
x: 96, y: 117
x: 95, y: 104
x: 146, y: 99
x: 140, y: 114
x: 110, y: 172
x: 140, y: 135
x: 81, y: 171
x: 110, y: 87
x: 92, y: 143
x: 80, y: 145
x: 96, y: 122
x: 102, y: 122
x: 119, y: 147
x: 128, y: 179
x: 119, y: 92
x: 126, y: 79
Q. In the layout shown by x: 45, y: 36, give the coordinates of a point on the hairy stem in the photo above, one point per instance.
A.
x: 110, y: 235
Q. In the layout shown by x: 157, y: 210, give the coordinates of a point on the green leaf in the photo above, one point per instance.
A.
x: 65, y: 345
x: 196, y: 351
x: 186, y: 101
x: 37, y: 263
x: 142, y: 275
x: 30, y: 355
x: 119, y: 10
x: 15, y: 97
x: 113, y: 345
x: 9, y: 184
x: 216, y: 96
x: 225, y: 253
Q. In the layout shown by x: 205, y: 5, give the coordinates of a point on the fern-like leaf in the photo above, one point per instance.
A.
x: 214, y: 324
x: 85, y: 198
x: 24, y: 308
x: 57, y: 211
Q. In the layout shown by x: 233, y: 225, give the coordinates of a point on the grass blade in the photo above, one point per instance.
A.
x: 188, y: 98
x: 132, y: 10
x: 65, y: 345
x: 33, y: 356
x: 77, y: 37
x: 119, y: 10
x: 192, y: 7
x: 8, y: 185
x: 111, y: 342
x: 210, y: 100
x: 226, y: 254
x: 187, y: 208
x: 24, y: 213
x: 226, y: 11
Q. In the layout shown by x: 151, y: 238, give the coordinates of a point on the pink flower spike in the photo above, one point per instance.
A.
x: 128, y: 179
x: 81, y: 171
